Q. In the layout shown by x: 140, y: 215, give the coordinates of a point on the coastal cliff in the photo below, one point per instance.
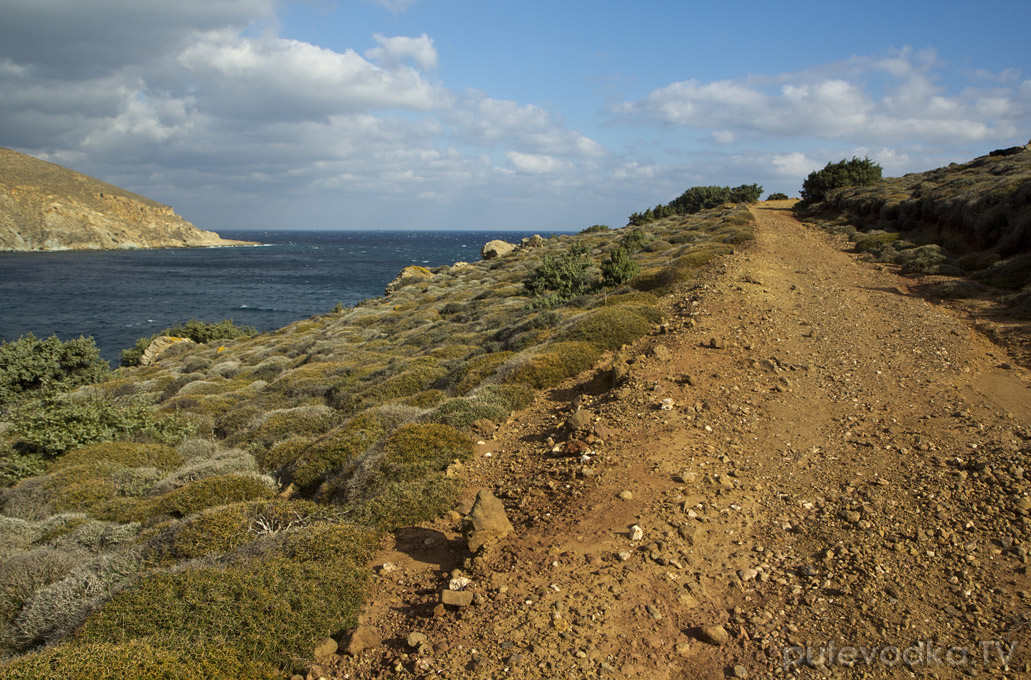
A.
x: 44, y: 206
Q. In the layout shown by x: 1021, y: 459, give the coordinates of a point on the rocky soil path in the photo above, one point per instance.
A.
x: 826, y: 473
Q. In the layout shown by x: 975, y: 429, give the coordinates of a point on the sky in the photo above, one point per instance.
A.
x: 476, y: 114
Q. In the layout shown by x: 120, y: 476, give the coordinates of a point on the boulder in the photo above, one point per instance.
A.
x: 486, y: 522
x: 534, y: 241
x: 408, y: 276
x: 363, y: 637
x: 159, y: 346
x: 495, y: 249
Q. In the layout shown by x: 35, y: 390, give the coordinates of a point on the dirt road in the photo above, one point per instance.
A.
x: 842, y: 463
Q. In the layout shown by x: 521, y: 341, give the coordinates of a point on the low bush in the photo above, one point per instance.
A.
x: 597, y: 228
x: 52, y: 427
x: 664, y: 279
x: 407, y: 503
x: 554, y: 364
x: 30, y: 367
x: 139, y: 660
x: 608, y: 327
x: 560, y: 279
x: 426, y: 443
x: 777, y: 196
x: 273, y: 609
x: 462, y: 413
x: 125, y: 454
x: 868, y: 243
x: 211, y: 492
x: 336, y: 450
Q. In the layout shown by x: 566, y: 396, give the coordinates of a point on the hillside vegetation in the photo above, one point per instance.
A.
x: 214, y: 511
x: 969, y: 221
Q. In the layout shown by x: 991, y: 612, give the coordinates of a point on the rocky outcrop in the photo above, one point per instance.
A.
x: 159, y: 346
x: 47, y: 207
x: 407, y: 277
x: 497, y: 248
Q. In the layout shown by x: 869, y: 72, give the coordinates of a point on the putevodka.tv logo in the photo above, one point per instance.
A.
x: 922, y: 653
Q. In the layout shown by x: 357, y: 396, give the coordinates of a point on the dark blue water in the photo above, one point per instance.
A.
x: 119, y: 296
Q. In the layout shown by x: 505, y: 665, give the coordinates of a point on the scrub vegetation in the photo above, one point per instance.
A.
x: 211, y: 514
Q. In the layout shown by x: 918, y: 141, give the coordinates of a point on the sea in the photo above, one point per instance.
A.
x: 117, y: 296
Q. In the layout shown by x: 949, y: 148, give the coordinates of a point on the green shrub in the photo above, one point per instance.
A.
x: 463, y: 412
x: 336, y: 450
x: 408, y: 503
x: 38, y: 368
x: 471, y: 373
x: 432, y: 443
x: 281, y: 454
x: 869, y: 243
x: 225, y: 528
x: 51, y: 427
x: 777, y: 196
x: 15, y: 465
x: 618, y: 268
x: 302, y: 421
x: 273, y: 609
x: 198, y: 331
x: 554, y: 363
x: 853, y: 173
x: 560, y: 279
x: 663, y: 280
x: 211, y: 492
x: 634, y: 240
x: 594, y: 229
x: 125, y: 454
x: 608, y: 327
x: 138, y: 660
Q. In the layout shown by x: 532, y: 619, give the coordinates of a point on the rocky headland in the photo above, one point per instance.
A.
x: 44, y: 206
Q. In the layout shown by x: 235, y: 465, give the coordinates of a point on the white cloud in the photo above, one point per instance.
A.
x: 535, y: 163
x: 270, y: 76
x: 393, y: 51
x: 833, y: 101
x: 395, y: 6
x: 484, y: 121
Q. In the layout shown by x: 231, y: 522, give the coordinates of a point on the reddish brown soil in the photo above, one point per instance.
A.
x: 849, y: 467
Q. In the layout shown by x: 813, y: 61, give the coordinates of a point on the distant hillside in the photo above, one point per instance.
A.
x: 47, y: 207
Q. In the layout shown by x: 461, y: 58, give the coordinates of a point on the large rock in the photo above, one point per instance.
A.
x: 363, y: 637
x: 535, y: 241
x: 495, y: 249
x: 159, y: 346
x: 486, y: 522
x: 408, y: 276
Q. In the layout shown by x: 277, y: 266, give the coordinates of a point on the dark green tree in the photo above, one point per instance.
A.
x: 853, y: 173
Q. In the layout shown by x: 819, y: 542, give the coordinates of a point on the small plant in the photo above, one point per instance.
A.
x: 777, y: 196
x: 853, y: 173
x: 618, y: 268
x: 595, y: 229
